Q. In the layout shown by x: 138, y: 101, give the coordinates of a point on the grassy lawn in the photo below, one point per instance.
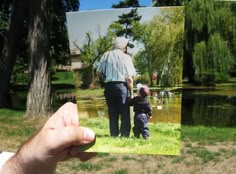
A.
x: 15, y: 129
x: 207, y: 135
x: 65, y: 77
x: 164, y: 139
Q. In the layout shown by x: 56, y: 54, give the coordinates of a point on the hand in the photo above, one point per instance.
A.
x: 61, y: 138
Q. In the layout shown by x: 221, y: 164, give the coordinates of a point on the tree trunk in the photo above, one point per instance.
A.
x: 8, y: 53
x: 39, y: 100
x: 150, y: 69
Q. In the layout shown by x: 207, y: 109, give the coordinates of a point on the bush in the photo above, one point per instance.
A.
x: 86, y: 77
x: 141, y: 79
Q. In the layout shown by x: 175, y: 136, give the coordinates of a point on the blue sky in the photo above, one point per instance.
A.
x: 106, y: 4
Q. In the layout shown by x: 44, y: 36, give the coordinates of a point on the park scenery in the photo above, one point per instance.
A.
x: 155, y: 42
x: 185, y: 51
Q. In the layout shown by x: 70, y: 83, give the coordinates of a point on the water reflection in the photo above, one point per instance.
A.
x: 166, y: 106
x: 200, y: 106
x: 209, y: 107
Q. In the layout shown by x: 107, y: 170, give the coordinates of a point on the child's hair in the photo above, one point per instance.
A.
x: 144, y: 91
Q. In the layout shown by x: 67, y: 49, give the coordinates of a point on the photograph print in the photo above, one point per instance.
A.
x: 127, y: 68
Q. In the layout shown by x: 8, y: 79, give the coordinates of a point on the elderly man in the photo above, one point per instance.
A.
x: 118, y: 70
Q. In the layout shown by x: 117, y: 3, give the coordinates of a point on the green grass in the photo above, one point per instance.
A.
x: 15, y: 128
x: 88, y: 93
x: 10, y: 121
x: 178, y: 159
x: 10, y: 113
x: 164, y: 139
x: 63, y: 78
x: 205, y: 154
x: 88, y: 166
x: 120, y: 171
x: 207, y: 135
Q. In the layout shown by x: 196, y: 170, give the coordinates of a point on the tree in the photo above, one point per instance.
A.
x: 59, y: 44
x: 14, y: 40
x: 157, y: 3
x: 162, y: 38
x: 5, y: 10
x: 226, y: 25
x: 126, y: 4
x: 126, y: 20
x: 199, y: 54
x: 143, y: 33
x: 90, y: 54
x: 219, y: 57
x: 10, y: 48
x: 141, y: 62
x: 123, y: 26
x: 206, y: 22
x: 39, y: 99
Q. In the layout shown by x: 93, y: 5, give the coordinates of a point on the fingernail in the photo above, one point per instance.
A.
x: 89, y: 134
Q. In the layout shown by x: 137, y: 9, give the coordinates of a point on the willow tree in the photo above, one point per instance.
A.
x: 162, y: 38
x: 199, y: 55
x: 203, y: 28
x: 145, y: 58
x: 220, y: 60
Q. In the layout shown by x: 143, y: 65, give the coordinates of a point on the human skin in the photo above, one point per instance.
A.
x: 130, y: 84
x: 60, y: 139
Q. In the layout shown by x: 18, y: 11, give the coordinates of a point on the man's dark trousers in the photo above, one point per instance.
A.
x: 117, y: 99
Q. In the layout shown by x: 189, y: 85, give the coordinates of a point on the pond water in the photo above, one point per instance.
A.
x: 188, y: 106
x: 166, y: 106
x: 209, y: 107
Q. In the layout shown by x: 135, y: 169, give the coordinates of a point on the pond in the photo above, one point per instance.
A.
x: 166, y: 106
x: 209, y: 106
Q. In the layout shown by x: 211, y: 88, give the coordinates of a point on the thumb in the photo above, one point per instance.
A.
x: 73, y: 136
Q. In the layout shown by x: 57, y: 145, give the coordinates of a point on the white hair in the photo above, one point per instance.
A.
x: 120, y: 42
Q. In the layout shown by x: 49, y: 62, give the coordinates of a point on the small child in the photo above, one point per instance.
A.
x: 142, y: 112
